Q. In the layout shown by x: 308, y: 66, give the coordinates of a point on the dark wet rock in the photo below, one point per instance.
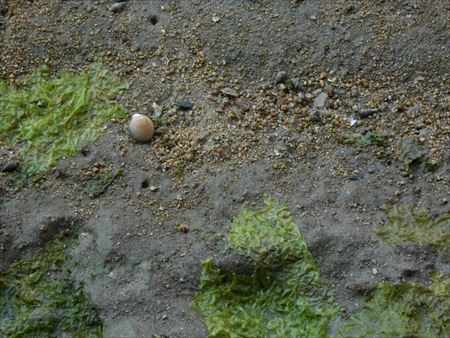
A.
x: 281, y: 77
x: 363, y: 113
x: 10, y: 167
x: 186, y: 105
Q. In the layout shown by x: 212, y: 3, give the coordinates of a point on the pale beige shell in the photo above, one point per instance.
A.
x: 141, y: 128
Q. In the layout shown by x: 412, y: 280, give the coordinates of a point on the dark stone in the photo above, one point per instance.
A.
x: 363, y: 113
x: 186, y: 105
x: 10, y: 167
x: 281, y: 77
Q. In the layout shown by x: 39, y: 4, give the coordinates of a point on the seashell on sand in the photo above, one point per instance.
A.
x: 141, y: 128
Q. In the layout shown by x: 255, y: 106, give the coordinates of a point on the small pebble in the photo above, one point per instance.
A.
x: 157, y: 110
x: 229, y: 92
x: 320, y: 100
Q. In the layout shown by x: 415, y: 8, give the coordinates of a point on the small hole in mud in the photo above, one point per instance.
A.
x: 153, y: 19
x: 144, y: 184
x: 85, y: 152
x: 409, y: 273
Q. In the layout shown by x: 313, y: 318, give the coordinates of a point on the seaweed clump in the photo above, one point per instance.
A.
x: 54, y: 117
x: 415, y: 225
x: 372, y: 138
x: 39, y: 299
x: 283, y: 297
x: 403, y: 310
x: 414, y: 157
x: 96, y: 186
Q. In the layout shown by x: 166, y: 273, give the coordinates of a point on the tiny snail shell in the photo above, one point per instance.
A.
x: 141, y: 128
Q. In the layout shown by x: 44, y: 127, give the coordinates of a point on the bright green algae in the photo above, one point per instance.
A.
x: 53, y: 117
x: 284, y: 297
x: 403, y: 310
x: 39, y: 299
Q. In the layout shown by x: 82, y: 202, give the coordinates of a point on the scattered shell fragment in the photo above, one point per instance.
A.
x: 229, y: 92
x: 117, y: 7
x: 157, y: 110
x: 141, y: 128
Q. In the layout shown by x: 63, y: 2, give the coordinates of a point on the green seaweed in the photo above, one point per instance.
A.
x: 98, y: 184
x: 178, y: 171
x: 416, y: 225
x: 39, y: 299
x: 284, y: 297
x: 414, y: 157
x: 54, y: 117
x: 372, y: 138
x: 403, y: 310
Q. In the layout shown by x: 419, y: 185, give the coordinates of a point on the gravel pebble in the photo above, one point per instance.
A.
x: 320, y: 100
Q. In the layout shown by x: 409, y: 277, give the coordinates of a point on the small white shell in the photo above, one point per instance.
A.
x: 141, y: 128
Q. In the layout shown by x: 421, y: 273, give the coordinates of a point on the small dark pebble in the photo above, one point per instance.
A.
x: 363, y: 113
x: 186, y: 105
x: 281, y: 77
x: 10, y: 167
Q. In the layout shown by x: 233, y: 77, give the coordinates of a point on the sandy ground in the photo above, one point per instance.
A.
x: 244, y: 138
